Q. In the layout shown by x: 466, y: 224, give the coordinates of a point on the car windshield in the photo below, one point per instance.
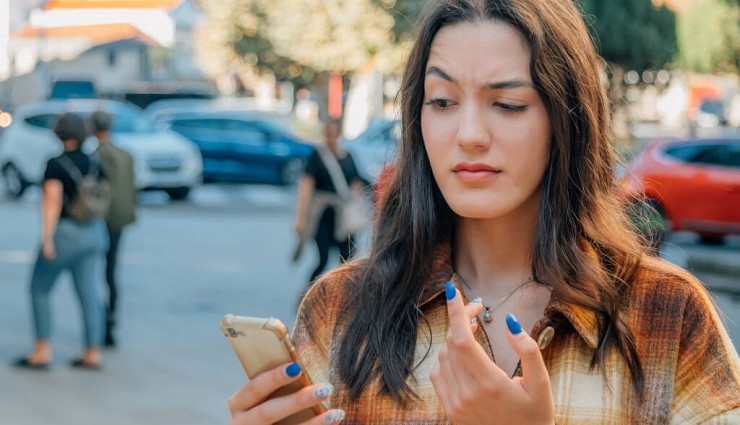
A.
x: 73, y: 90
x: 712, y: 107
x: 126, y: 119
x: 129, y: 120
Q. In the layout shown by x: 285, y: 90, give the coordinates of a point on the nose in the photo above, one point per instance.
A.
x: 472, y: 131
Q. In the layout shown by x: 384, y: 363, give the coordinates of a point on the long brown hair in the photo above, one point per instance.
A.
x: 577, y: 204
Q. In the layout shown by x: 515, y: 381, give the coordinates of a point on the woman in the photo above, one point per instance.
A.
x: 503, y: 193
x: 67, y: 244
x: 316, y: 213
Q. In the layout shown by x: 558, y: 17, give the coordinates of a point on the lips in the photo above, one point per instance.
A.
x: 474, y: 168
x: 476, y: 174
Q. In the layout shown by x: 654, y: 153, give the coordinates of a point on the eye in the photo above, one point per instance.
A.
x: 439, y: 103
x: 510, y: 108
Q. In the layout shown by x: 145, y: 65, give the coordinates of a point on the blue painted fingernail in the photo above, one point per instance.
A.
x: 514, y: 327
x: 450, y: 290
x: 293, y: 370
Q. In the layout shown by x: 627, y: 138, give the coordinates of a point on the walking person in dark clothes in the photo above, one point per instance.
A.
x: 316, y: 211
x: 118, y: 166
x: 68, y: 244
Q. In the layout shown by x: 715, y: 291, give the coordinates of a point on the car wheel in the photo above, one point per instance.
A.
x: 178, y: 193
x: 292, y: 171
x: 711, y: 239
x: 15, y: 184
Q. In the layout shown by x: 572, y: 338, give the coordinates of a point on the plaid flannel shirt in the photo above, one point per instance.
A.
x: 692, y: 371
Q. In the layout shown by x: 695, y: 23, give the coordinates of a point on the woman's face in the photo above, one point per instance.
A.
x: 485, y: 128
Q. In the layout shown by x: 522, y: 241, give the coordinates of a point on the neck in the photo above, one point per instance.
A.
x: 494, y: 256
x: 103, y: 138
x: 70, y: 145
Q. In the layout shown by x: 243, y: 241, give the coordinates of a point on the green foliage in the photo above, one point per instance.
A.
x: 297, y: 38
x: 632, y: 33
x: 405, y: 14
x: 236, y: 38
x: 709, y: 35
x: 329, y: 35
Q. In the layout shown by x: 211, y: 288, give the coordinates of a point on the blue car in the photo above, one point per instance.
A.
x: 244, y: 146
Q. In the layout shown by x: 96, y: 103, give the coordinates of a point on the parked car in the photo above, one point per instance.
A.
x: 164, y: 160
x: 710, y: 114
x: 375, y: 148
x: 692, y: 185
x: 243, y: 146
x: 73, y: 88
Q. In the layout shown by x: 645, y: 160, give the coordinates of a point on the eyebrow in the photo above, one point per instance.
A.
x: 507, y: 84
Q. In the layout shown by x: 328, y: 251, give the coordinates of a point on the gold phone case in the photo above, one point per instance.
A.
x: 262, y: 344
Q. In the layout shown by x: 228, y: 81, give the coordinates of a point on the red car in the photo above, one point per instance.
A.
x: 693, y: 184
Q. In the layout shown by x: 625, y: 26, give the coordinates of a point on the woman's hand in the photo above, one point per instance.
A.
x: 474, y: 390
x: 300, y: 224
x: 48, y: 250
x: 250, y: 406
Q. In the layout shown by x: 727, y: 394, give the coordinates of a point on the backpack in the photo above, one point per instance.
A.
x: 93, y: 194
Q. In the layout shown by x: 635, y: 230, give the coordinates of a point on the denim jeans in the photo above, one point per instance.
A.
x: 80, y: 248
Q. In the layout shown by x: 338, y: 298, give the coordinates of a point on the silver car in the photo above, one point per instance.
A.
x: 375, y: 148
x: 163, y: 159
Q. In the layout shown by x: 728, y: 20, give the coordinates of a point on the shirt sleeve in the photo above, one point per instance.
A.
x: 708, y: 369
x: 54, y: 170
x: 313, y: 165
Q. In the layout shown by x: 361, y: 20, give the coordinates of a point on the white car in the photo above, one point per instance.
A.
x: 163, y: 159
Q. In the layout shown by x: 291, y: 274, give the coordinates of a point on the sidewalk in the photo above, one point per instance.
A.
x: 720, y: 261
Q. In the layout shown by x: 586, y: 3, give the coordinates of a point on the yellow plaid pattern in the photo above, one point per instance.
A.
x: 692, y: 371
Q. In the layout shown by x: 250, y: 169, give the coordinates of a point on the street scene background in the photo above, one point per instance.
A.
x: 184, y: 265
x: 209, y: 81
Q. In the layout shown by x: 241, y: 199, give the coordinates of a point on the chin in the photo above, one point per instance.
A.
x: 480, y: 210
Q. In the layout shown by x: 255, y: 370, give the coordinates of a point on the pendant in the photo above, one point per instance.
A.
x: 487, y: 316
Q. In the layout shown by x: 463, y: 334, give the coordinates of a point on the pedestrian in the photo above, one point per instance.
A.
x: 329, y: 172
x: 503, y: 194
x: 118, y: 166
x: 68, y: 244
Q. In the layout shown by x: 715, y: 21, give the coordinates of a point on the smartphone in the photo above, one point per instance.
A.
x: 262, y: 344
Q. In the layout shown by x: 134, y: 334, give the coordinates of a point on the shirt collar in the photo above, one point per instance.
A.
x: 584, y: 321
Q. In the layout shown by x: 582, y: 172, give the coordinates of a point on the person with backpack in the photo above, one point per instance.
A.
x: 75, y: 199
x: 118, y: 166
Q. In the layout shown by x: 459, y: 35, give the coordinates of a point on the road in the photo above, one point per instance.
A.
x: 184, y: 265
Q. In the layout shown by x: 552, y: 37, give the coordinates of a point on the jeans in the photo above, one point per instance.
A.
x: 80, y: 248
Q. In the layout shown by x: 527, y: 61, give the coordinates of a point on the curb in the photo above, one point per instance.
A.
x: 702, y: 264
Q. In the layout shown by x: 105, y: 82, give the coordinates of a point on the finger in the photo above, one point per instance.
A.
x: 442, y: 382
x: 459, y: 319
x: 473, y: 309
x: 264, y: 384
x: 333, y: 416
x: 535, y: 377
x: 279, y: 408
x: 466, y: 356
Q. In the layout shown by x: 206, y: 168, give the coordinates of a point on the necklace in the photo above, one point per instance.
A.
x: 488, y: 313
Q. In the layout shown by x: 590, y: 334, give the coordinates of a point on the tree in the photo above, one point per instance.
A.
x: 629, y: 35
x: 236, y: 39
x: 709, y: 36
x: 633, y: 34
x: 329, y: 35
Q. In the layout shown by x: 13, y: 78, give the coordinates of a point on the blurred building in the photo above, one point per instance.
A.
x: 115, y: 43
